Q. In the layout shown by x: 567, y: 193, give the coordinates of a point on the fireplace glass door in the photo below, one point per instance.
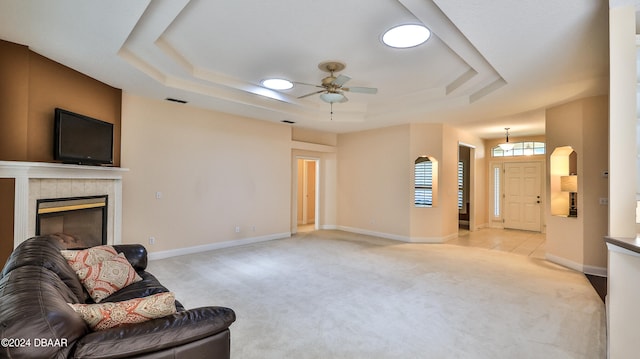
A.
x: 79, y: 221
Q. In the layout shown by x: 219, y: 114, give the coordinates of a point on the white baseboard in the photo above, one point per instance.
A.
x: 433, y: 239
x: 214, y: 246
x: 367, y: 232
x: 597, y: 271
x: 587, y: 269
x: 329, y: 227
x: 481, y: 226
x: 397, y: 237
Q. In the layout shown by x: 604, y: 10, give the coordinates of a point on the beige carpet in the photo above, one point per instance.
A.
x: 331, y: 294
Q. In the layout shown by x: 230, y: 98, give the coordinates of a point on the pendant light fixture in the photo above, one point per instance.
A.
x: 506, y: 146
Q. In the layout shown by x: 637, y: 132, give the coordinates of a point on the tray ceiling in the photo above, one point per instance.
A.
x: 487, y: 65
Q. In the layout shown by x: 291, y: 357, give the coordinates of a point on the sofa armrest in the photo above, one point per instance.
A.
x: 157, y: 334
x: 136, y: 255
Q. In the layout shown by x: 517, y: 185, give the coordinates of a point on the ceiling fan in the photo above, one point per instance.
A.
x: 332, y: 86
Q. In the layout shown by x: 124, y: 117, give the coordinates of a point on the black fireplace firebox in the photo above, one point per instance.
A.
x: 80, y: 221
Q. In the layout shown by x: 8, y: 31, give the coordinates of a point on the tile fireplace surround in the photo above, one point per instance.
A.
x: 40, y: 180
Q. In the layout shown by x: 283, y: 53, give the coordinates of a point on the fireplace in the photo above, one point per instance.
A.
x: 32, y: 181
x: 78, y: 221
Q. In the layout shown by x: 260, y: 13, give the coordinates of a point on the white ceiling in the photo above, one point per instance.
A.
x: 489, y: 64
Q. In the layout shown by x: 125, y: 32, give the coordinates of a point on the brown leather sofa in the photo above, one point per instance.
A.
x: 36, y: 322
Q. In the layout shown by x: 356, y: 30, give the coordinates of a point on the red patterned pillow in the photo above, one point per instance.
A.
x: 79, y: 259
x: 107, y: 277
x: 111, y: 315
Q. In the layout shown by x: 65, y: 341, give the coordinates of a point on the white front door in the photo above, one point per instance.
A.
x: 522, y: 195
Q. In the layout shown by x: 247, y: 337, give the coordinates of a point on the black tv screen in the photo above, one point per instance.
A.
x: 81, y: 139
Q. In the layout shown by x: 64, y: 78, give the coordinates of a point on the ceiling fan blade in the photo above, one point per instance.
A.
x: 304, y: 83
x: 311, y: 94
x: 341, y: 80
x: 369, y: 90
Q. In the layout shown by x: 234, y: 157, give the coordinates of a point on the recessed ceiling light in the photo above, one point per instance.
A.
x: 277, y: 84
x: 404, y: 36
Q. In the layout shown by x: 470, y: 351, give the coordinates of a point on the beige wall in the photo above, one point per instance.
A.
x: 565, y: 235
x: 578, y: 242
x: 478, y: 186
x: 427, y: 223
x: 215, y: 172
x: 375, y: 181
x: 449, y: 183
x: 440, y: 223
x: 313, y: 136
x: 374, y: 188
x: 596, y: 185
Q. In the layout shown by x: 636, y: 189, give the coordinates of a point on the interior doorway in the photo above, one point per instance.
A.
x: 307, y: 194
x: 465, y: 190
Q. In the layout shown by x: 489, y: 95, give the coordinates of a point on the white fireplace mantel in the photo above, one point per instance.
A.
x: 24, y: 172
x: 15, y: 169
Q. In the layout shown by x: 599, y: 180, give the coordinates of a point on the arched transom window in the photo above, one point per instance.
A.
x: 526, y: 148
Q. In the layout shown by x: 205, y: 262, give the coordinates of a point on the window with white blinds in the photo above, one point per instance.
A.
x: 423, y: 185
x: 460, y: 184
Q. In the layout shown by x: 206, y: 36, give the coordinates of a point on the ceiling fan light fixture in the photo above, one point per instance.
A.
x: 277, y: 84
x: 405, y: 36
x: 332, y: 97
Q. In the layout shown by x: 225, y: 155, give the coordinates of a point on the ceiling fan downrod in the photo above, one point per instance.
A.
x: 331, y: 104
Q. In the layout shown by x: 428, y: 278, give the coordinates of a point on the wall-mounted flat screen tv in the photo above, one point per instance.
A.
x: 81, y: 139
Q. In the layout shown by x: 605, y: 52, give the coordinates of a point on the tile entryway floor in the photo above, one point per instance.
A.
x: 507, y: 240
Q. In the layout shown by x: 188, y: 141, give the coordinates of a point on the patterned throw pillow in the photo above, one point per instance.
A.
x: 79, y: 259
x: 110, y: 315
x: 107, y: 277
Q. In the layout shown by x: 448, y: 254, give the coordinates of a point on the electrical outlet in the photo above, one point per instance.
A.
x: 604, y: 201
x: 152, y: 240
x: 237, y: 229
x: 158, y: 195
